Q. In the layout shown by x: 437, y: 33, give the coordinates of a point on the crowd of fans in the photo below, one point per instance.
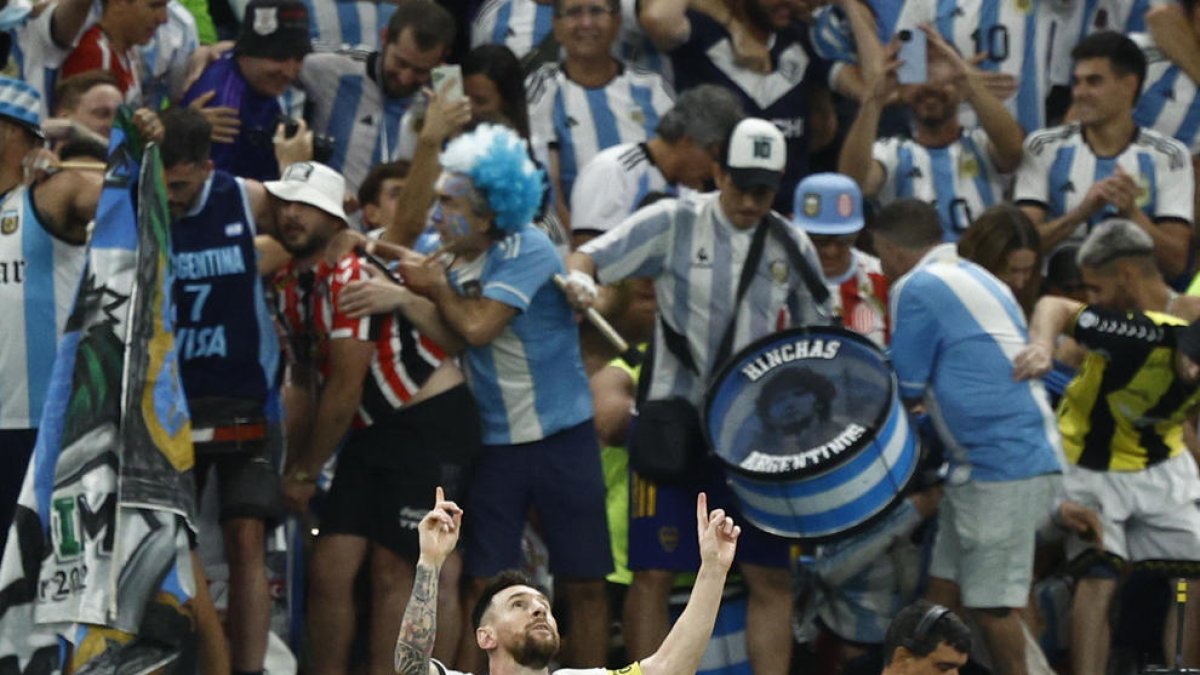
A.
x: 380, y: 264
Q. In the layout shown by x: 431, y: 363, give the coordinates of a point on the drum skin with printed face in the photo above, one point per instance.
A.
x: 809, y: 428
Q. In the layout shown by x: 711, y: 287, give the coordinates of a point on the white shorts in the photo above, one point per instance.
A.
x: 1148, y: 515
x: 986, y: 535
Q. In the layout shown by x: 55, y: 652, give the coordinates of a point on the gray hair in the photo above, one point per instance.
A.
x: 1113, y: 239
x: 707, y: 114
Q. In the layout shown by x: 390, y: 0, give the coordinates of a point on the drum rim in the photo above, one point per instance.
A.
x: 865, y: 524
x: 808, y: 472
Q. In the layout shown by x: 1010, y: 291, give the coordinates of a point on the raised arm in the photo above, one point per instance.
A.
x: 681, y: 650
x: 1172, y: 31
x: 1005, y: 135
x: 665, y: 22
x: 856, y: 159
x: 1052, y: 317
x: 438, y: 535
x: 443, y: 118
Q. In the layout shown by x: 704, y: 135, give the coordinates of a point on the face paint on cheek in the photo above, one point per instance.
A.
x: 454, y: 184
x: 436, y: 215
x: 457, y: 225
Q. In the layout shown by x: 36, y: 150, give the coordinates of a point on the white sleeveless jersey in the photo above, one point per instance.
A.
x: 39, y: 275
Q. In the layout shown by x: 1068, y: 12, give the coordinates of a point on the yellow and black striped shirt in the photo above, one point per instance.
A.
x: 1125, y: 408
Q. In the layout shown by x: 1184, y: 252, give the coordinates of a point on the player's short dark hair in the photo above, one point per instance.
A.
x: 921, y: 627
x: 368, y: 192
x: 506, y: 579
x: 1123, y: 54
x: 69, y: 90
x: 909, y: 223
x: 432, y: 26
x: 186, y: 137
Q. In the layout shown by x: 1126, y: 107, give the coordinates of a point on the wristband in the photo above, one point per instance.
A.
x: 583, y: 283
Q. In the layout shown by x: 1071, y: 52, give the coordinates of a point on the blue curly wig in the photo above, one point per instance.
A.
x: 496, y: 161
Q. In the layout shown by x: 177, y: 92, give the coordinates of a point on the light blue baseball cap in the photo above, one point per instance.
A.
x: 828, y: 203
x: 21, y: 103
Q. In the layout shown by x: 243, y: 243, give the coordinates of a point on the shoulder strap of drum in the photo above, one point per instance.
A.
x: 753, y: 256
x: 816, y: 286
x: 677, y: 344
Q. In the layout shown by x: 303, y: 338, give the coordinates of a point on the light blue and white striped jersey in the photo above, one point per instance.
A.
x: 955, y: 331
x: 1072, y: 20
x: 520, y: 25
x: 349, y: 105
x: 38, y: 57
x: 1059, y: 167
x: 610, y: 187
x: 39, y: 276
x: 960, y: 179
x: 579, y: 122
x: 165, y: 58
x: 695, y: 256
x: 348, y: 24
x: 1170, y: 100
x: 634, y: 48
x: 1005, y: 30
x: 529, y: 381
x: 869, y: 577
x: 832, y: 38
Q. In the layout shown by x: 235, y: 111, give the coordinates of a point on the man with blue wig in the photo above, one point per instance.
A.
x: 494, y: 285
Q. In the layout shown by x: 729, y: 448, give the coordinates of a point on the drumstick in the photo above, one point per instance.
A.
x: 628, y: 354
x: 80, y: 165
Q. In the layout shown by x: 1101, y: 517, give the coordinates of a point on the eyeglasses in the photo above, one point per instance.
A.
x: 580, y: 11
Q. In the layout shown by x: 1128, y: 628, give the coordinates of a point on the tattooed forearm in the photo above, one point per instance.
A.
x: 415, y: 644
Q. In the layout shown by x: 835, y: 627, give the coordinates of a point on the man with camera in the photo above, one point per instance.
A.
x: 958, y: 170
x: 244, y: 92
x: 709, y: 239
x: 358, y: 98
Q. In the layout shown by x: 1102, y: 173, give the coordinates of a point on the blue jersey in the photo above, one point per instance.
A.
x: 960, y: 178
x: 39, y: 276
x: 252, y: 153
x: 224, y: 333
x: 780, y: 96
x: 1006, y: 33
x: 520, y: 25
x: 342, y: 24
x: 955, y: 331
x: 1170, y: 100
x: 529, y: 381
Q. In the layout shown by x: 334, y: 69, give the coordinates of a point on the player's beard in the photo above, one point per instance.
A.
x: 536, y: 650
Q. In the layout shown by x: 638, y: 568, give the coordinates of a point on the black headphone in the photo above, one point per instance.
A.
x: 925, y: 626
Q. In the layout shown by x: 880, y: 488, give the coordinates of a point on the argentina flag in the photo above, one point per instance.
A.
x: 96, y: 572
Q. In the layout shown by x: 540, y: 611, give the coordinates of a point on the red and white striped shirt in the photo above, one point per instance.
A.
x: 95, y: 52
x: 307, y: 308
x: 860, y: 298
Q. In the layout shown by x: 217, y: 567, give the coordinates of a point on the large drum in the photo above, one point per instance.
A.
x: 809, y: 427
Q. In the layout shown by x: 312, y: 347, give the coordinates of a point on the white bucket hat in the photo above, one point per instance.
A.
x: 311, y: 183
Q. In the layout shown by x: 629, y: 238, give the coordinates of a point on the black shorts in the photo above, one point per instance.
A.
x: 248, y: 482
x: 386, y: 473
